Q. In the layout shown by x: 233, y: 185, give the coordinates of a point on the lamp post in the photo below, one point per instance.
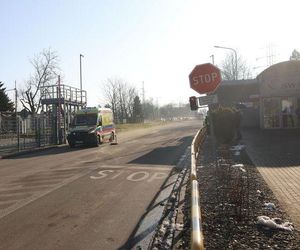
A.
x: 80, y: 56
x: 213, y: 59
x: 232, y: 49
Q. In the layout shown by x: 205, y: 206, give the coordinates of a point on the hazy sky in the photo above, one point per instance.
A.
x: 155, y: 41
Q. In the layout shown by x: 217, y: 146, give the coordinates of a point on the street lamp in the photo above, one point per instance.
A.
x: 80, y: 56
x: 236, y: 71
x: 213, y: 59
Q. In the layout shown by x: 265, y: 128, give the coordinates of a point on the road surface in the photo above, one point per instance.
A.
x: 91, y: 198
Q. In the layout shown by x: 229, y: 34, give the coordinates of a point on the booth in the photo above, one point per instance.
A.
x: 271, y: 101
x: 279, y: 87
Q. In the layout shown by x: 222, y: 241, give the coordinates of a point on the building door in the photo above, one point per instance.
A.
x: 271, y: 113
x: 297, y: 112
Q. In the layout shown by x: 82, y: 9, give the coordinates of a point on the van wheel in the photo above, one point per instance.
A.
x: 112, y: 137
x: 114, y: 140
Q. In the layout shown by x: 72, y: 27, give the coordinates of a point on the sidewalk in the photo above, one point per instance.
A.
x: 276, y: 154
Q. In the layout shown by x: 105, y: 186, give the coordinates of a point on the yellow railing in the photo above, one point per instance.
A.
x: 196, y: 231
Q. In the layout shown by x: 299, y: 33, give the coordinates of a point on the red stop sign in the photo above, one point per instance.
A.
x: 205, y: 78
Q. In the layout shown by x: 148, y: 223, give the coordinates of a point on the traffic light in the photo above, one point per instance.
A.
x: 193, y: 103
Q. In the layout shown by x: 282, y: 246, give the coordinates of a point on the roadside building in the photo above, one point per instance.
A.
x: 271, y: 101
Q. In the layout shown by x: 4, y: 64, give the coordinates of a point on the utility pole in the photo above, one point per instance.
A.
x: 16, y: 112
x: 270, y: 54
x: 80, y: 56
x: 143, y: 90
x: 16, y: 98
x: 143, y: 93
x: 59, y: 113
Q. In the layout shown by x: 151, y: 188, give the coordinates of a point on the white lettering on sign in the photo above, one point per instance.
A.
x: 135, y: 176
x: 206, y: 78
x: 290, y: 85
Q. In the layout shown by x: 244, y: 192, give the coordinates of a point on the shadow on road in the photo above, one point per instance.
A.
x: 168, y: 155
x: 136, y: 238
x: 46, y: 152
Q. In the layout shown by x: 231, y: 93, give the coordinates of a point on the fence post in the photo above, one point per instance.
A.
x: 39, y: 130
x: 18, y: 132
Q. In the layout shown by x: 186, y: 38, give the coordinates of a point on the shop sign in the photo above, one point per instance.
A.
x: 280, y: 80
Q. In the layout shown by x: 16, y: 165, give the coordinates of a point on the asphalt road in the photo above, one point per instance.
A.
x: 91, y: 198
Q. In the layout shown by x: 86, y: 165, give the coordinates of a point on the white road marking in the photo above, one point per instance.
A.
x: 102, y: 174
x: 130, y: 175
x: 139, y: 167
x: 144, y: 176
x: 157, y: 176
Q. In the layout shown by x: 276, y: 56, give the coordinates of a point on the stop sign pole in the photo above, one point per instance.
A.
x: 205, y: 78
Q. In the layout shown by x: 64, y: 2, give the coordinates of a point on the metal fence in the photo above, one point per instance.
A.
x: 18, y: 134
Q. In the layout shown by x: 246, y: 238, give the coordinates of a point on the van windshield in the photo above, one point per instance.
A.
x: 85, y: 119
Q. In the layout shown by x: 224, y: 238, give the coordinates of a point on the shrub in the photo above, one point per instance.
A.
x: 206, y: 124
x: 226, y: 122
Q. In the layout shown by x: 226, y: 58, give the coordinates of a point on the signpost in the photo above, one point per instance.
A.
x: 205, y: 78
x: 208, y: 100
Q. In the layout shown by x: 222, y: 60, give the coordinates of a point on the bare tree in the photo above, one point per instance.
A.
x: 45, y: 65
x: 234, y: 70
x: 295, y: 55
x: 120, y: 96
x: 128, y: 96
x: 111, y: 94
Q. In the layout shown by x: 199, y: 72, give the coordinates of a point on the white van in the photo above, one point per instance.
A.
x: 91, y: 126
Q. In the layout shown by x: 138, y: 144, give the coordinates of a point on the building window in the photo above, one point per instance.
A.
x: 287, y: 112
x: 281, y: 112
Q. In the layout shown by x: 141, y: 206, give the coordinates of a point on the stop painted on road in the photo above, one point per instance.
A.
x: 129, y: 175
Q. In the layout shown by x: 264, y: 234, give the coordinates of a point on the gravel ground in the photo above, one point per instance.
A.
x: 231, y: 200
x: 232, y: 196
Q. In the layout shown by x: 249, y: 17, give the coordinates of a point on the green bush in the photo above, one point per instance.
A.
x: 206, y: 124
x: 226, y: 122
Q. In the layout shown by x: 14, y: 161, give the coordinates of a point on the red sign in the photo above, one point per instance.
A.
x: 205, y: 78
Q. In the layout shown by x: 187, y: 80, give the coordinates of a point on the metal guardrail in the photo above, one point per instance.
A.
x: 196, y: 231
